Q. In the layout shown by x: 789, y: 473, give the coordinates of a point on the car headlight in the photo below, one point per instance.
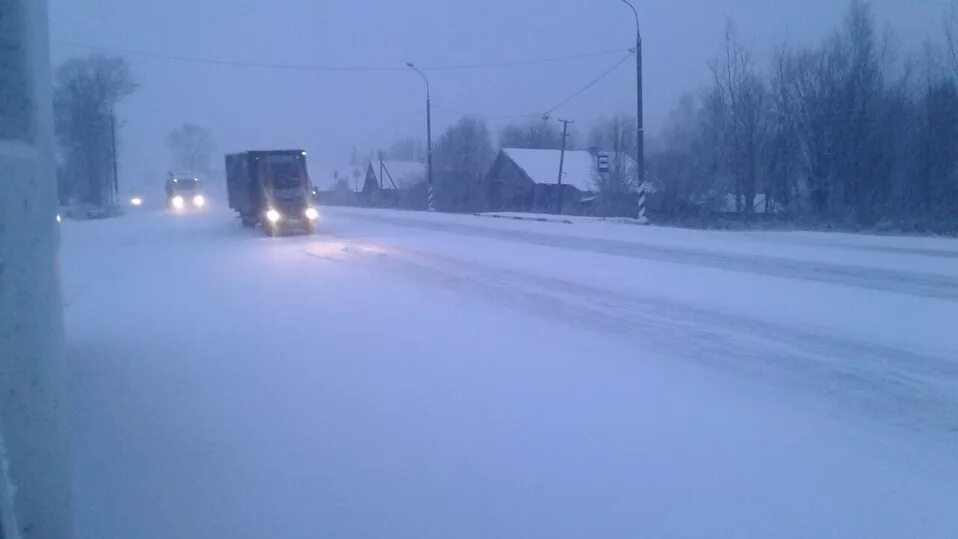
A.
x: 272, y: 215
x: 199, y: 200
x: 136, y: 201
x: 178, y: 202
x: 311, y: 214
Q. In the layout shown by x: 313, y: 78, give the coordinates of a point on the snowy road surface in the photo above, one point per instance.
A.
x: 414, y: 375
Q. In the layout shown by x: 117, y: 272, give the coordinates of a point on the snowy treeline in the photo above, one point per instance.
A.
x: 849, y: 131
x: 86, y: 92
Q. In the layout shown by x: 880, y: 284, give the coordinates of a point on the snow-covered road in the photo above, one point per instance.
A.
x: 413, y: 375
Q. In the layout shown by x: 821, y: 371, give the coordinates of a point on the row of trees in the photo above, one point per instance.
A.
x: 843, y: 132
x: 86, y: 94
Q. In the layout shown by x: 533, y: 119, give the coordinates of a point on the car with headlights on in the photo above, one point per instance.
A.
x: 184, y: 192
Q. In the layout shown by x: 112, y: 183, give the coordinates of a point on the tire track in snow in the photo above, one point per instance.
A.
x: 913, y: 391
x: 869, y: 278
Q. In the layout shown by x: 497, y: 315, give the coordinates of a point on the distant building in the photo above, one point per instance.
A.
x: 527, y: 180
x: 391, y: 175
x: 341, y: 178
x: 337, y: 186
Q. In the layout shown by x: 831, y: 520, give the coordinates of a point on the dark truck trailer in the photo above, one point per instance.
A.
x: 271, y: 189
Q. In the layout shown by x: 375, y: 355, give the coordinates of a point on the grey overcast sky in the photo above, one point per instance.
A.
x: 328, y: 113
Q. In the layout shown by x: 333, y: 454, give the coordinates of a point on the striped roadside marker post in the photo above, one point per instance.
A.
x: 641, y: 217
x: 430, y: 199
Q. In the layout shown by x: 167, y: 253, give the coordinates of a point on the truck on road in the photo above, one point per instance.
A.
x: 183, y: 192
x: 271, y: 189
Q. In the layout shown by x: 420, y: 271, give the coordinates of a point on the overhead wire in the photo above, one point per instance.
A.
x: 331, y: 68
x: 433, y: 68
x: 485, y: 116
x: 550, y: 110
x: 590, y: 84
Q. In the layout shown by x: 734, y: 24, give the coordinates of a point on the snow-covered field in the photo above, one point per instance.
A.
x: 412, y: 375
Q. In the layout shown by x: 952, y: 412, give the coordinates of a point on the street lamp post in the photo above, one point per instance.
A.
x: 116, y: 176
x: 640, y: 131
x: 430, y: 198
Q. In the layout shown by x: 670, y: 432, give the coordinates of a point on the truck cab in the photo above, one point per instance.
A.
x: 184, y: 192
x: 271, y: 189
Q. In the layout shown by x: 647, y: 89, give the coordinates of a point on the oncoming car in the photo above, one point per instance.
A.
x: 184, y: 193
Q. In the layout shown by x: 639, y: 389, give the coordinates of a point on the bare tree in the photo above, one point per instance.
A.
x: 839, y: 131
x: 461, y: 158
x: 782, y: 157
x: 935, y: 145
x: 191, y: 148
x: 682, y: 167
x: 407, y: 149
x: 86, y: 93
x: 739, y: 100
x: 951, y: 35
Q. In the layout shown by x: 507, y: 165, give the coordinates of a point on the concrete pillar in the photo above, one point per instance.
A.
x: 34, y: 478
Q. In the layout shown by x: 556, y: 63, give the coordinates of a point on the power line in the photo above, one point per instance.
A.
x: 518, y: 63
x: 328, y: 68
x: 485, y: 116
x: 591, y: 83
x: 226, y: 62
x: 576, y: 94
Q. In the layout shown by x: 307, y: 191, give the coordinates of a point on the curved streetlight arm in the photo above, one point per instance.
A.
x: 421, y: 74
x: 638, y: 33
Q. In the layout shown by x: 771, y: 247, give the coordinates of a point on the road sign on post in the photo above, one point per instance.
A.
x: 602, y: 162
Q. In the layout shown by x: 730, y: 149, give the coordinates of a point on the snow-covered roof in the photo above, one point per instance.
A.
x: 326, y: 178
x: 404, y: 173
x: 542, y: 166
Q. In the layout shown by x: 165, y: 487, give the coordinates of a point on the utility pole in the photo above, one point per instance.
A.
x: 116, y: 177
x: 565, y: 137
x: 430, y: 195
x: 640, y: 130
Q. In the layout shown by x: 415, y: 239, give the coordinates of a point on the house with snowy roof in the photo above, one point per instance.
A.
x: 387, y: 174
x: 391, y: 183
x: 528, y: 180
x: 341, y: 178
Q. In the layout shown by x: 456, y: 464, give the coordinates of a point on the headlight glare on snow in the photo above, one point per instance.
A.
x: 311, y: 214
x: 272, y: 215
x: 199, y: 200
x: 136, y: 201
x: 178, y: 202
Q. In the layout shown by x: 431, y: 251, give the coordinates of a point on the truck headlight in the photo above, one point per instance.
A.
x: 199, y: 200
x: 272, y: 215
x: 311, y: 214
x: 136, y: 201
x: 177, y: 202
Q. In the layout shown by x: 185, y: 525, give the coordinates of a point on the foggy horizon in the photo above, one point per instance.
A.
x: 328, y: 113
x: 729, y: 311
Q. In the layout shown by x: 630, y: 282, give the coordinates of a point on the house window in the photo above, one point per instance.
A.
x: 16, y: 104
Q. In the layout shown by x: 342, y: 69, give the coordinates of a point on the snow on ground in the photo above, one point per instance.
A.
x: 414, y: 375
